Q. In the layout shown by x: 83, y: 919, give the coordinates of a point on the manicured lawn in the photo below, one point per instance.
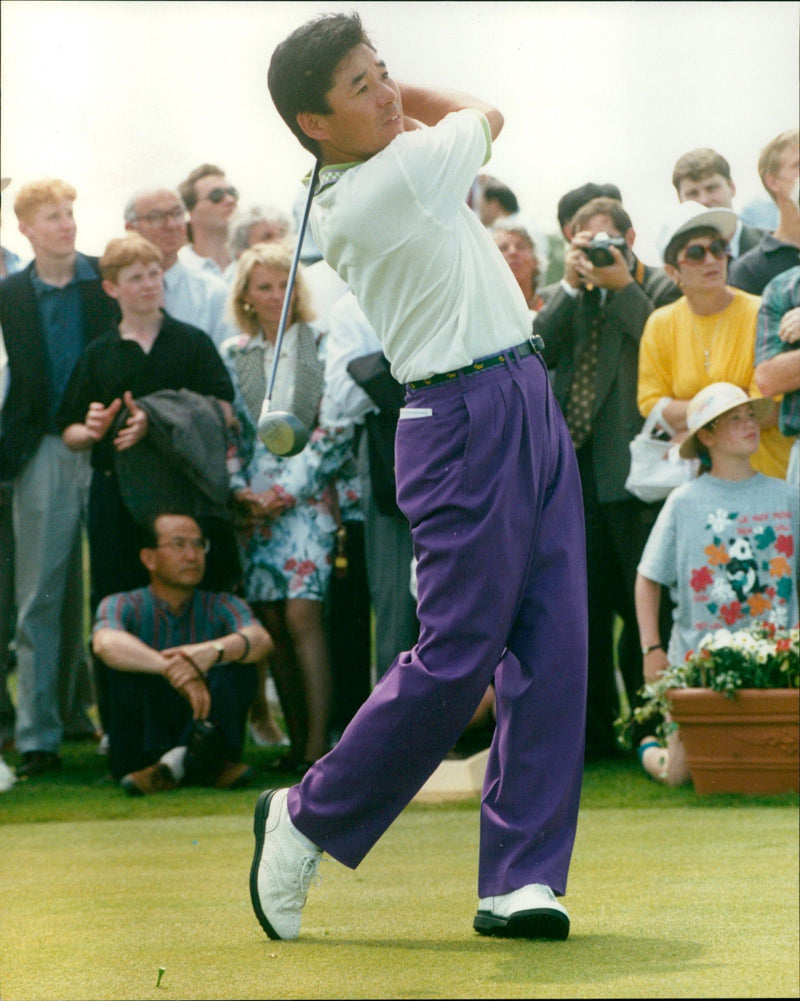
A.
x: 671, y: 895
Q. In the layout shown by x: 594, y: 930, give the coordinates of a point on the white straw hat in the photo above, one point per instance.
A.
x: 713, y: 401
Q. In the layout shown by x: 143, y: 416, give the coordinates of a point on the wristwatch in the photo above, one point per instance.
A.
x: 220, y: 650
x: 648, y: 649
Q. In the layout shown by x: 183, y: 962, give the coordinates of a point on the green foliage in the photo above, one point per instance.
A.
x: 763, y: 656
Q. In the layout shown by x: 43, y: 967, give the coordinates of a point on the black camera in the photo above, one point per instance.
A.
x: 598, y: 250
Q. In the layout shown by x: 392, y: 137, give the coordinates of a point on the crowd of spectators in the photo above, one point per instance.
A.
x: 227, y: 583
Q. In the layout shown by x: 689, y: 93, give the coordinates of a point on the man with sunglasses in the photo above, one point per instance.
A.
x: 182, y: 672
x: 210, y: 201
x: 591, y: 326
x: 192, y: 295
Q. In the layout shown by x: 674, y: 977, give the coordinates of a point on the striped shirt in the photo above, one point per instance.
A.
x: 207, y: 616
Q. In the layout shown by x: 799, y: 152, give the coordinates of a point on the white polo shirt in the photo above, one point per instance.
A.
x: 426, y: 273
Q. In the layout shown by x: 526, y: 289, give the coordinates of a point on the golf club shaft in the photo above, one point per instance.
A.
x: 290, y: 284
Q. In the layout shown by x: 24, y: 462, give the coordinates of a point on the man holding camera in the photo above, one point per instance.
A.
x: 591, y: 327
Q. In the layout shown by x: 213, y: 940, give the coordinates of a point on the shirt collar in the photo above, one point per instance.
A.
x: 329, y: 175
x: 84, y: 272
x: 163, y: 606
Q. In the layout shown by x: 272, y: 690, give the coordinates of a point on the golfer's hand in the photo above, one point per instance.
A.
x: 789, y: 329
x: 99, y: 418
x: 135, y: 427
x: 654, y: 664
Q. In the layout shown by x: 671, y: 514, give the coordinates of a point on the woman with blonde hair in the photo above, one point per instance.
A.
x: 286, y: 504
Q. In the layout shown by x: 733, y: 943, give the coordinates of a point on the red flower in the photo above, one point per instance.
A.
x: 290, y: 564
x: 305, y: 568
x: 731, y: 612
x: 785, y: 545
x: 701, y: 579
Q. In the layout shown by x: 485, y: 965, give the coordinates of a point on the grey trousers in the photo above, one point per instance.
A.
x: 49, y: 501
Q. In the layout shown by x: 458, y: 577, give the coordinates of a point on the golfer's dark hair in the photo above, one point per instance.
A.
x: 302, y: 67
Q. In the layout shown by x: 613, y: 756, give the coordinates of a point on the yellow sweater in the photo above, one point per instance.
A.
x: 672, y: 362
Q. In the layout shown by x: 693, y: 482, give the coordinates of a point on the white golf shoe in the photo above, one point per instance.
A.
x: 283, y: 867
x: 530, y: 912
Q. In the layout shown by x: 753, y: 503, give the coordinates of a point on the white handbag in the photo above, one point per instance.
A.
x: 656, y: 467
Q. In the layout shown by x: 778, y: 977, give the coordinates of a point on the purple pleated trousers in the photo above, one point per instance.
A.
x: 490, y: 486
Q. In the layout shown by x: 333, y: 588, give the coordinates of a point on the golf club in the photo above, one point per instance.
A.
x: 281, y: 432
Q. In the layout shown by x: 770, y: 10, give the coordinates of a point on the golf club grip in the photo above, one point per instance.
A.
x: 290, y: 283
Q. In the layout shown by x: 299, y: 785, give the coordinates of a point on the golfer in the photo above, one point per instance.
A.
x: 486, y: 475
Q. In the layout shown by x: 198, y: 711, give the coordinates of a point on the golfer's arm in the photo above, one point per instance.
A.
x: 430, y: 106
x: 125, y: 652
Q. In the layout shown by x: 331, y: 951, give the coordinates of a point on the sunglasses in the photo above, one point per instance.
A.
x: 695, y: 253
x: 216, y: 195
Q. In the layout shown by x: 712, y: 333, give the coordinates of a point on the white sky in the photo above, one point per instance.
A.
x: 115, y: 95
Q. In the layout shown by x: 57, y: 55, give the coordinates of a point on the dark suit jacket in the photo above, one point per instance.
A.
x: 24, y: 417
x: 564, y: 325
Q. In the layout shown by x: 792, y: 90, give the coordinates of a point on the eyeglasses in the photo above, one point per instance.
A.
x: 216, y: 195
x: 695, y: 253
x: 180, y: 545
x: 156, y: 218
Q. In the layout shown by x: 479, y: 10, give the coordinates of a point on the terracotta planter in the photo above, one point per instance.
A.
x: 747, y: 744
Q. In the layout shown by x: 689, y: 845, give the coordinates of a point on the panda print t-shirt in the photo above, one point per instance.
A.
x: 727, y: 550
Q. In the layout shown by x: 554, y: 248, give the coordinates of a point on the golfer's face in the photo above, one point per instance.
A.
x: 366, y: 109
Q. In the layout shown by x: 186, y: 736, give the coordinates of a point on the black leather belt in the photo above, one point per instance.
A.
x: 535, y: 345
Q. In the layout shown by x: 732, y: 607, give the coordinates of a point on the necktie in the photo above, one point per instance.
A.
x: 582, y: 391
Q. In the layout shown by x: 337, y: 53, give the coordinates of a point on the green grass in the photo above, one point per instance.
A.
x: 671, y: 895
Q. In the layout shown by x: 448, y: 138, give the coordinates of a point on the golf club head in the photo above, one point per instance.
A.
x: 282, y: 433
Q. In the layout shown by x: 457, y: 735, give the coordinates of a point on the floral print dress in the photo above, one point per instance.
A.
x: 290, y: 556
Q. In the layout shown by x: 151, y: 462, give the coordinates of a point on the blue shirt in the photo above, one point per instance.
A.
x: 63, y: 321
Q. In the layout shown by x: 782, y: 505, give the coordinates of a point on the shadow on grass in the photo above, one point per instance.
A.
x: 582, y: 957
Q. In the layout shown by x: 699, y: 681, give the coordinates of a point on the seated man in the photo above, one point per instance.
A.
x: 182, y: 672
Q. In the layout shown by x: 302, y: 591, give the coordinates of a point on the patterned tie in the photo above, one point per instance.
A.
x: 582, y: 391
x: 252, y: 381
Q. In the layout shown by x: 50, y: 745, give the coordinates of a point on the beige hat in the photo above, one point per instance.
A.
x: 714, y: 401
